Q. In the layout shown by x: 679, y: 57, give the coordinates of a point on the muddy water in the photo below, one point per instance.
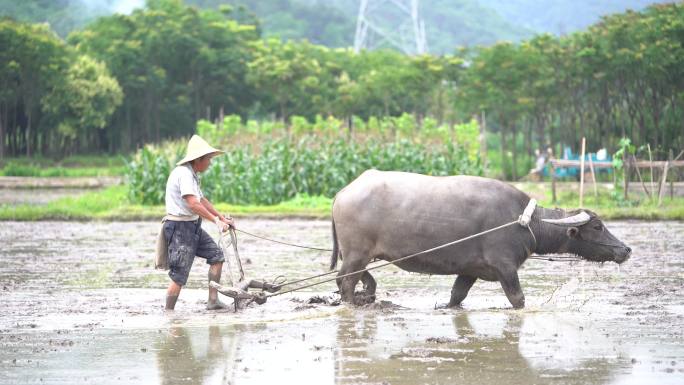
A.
x: 80, y: 303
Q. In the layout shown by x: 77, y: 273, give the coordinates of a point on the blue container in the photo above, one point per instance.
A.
x: 574, y: 172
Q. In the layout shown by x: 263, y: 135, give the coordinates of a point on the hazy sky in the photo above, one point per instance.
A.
x: 118, y: 6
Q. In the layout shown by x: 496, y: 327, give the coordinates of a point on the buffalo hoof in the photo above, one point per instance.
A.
x: 518, y: 304
x: 363, y: 299
x: 362, y: 293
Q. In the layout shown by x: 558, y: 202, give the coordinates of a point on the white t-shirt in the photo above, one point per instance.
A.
x: 182, y: 181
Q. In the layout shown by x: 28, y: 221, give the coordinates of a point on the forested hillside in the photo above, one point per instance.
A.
x: 64, y: 16
x: 449, y: 23
x: 127, y: 80
x: 560, y: 16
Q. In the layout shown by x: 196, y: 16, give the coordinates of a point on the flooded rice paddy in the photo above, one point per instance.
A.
x: 81, y: 303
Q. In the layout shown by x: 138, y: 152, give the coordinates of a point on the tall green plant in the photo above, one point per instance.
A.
x: 625, y: 150
x: 280, y: 169
x: 146, y: 173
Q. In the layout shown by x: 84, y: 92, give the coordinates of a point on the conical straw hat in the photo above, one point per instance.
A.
x: 198, y: 147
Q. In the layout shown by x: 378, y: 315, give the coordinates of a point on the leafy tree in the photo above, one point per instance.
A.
x: 32, y: 60
x: 284, y: 75
x: 175, y: 64
x: 82, y: 103
x: 494, y: 84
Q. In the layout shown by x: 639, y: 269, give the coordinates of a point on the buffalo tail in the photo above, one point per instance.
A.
x: 336, y: 248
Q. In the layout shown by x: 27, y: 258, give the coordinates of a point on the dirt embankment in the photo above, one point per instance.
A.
x: 27, y: 182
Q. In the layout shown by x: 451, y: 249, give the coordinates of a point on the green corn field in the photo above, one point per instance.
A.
x: 261, y: 168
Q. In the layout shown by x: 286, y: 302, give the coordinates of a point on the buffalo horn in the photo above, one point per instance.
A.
x: 575, y: 220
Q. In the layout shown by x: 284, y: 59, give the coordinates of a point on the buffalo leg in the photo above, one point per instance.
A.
x: 347, y: 284
x: 369, y: 285
x: 511, y: 286
x: 460, y: 289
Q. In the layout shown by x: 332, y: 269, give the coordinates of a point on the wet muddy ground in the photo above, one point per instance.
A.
x: 81, y: 303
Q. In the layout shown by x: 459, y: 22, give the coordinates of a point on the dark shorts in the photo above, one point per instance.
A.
x: 187, y: 240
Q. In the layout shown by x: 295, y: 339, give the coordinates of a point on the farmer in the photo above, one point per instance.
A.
x: 182, y: 229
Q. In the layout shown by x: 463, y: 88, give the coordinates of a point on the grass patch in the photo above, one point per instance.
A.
x: 112, y: 204
x: 610, y: 207
x: 99, y: 161
x: 12, y: 169
x: 75, y: 166
x: 299, y: 206
x: 91, y: 205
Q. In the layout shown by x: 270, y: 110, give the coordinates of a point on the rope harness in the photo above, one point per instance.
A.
x: 523, y: 220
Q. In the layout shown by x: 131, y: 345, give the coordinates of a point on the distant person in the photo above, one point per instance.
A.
x: 182, y: 228
x: 538, y: 171
x: 602, y: 155
x: 540, y: 162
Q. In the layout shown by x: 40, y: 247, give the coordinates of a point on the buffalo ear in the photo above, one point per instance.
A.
x: 572, y: 232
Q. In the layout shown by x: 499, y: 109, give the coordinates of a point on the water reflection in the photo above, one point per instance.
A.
x: 196, y: 356
x: 467, y: 348
x: 400, y: 348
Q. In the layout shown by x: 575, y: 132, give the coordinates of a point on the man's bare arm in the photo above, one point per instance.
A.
x: 229, y: 221
x: 198, y: 208
x: 207, y: 205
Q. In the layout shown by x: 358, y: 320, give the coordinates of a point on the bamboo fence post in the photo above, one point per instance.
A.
x: 553, y: 182
x: 678, y: 156
x: 669, y: 157
x: 662, y: 183
x: 650, y: 160
x: 643, y: 185
x: 593, y: 176
x: 625, y: 164
x: 581, y: 197
x: 483, y: 138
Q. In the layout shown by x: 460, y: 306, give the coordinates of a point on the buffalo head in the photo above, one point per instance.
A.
x: 589, y: 238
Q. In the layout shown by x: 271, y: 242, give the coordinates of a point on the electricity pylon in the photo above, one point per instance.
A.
x: 390, y: 23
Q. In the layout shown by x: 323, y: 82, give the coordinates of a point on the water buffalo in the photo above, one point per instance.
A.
x: 389, y: 215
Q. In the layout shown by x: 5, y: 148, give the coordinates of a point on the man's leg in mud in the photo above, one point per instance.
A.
x: 209, y: 250
x: 180, y: 236
x: 213, y: 302
x: 172, y: 294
